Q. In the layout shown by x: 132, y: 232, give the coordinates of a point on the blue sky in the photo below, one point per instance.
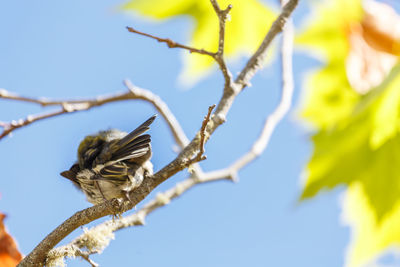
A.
x: 72, y: 49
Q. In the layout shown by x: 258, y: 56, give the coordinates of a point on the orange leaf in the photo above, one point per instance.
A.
x: 374, y: 46
x: 9, y: 254
x: 381, y: 27
x: 366, y: 67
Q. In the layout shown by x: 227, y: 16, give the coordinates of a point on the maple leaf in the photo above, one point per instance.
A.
x: 362, y: 148
x: 9, y: 254
x: 354, y: 104
x: 356, y: 127
x: 369, y: 238
x: 250, y: 21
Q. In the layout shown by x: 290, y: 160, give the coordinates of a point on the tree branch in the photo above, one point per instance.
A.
x: 172, y: 44
x: 114, y: 206
x: 70, y: 106
x: 38, y: 255
x: 13, y: 125
x: 255, y: 62
x: 231, y: 172
x: 203, y: 136
x: 273, y: 119
x: 219, y: 56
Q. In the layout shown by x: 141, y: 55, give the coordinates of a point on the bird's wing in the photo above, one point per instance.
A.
x: 127, y: 155
x: 134, y: 147
x: 117, y: 172
x: 135, y: 133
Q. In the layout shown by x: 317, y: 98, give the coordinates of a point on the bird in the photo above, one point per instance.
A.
x: 112, y: 163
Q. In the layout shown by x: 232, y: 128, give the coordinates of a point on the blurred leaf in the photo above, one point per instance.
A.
x: 370, y: 57
x: 250, y: 21
x: 381, y: 27
x: 9, y: 254
x: 369, y: 238
x: 356, y: 132
x: 328, y: 96
x: 364, y: 147
x: 354, y: 103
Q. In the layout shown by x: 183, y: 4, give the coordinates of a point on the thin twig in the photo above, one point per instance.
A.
x: 204, y: 127
x: 219, y: 56
x: 203, y: 137
x: 222, y: 16
x: 85, y: 256
x: 172, y: 44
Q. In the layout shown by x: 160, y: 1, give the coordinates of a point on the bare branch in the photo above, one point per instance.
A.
x: 135, y: 219
x: 222, y: 16
x: 273, y: 119
x: 8, y: 95
x: 255, y: 62
x: 13, y: 125
x: 203, y: 137
x: 172, y: 44
x: 163, y: 109
x: 219, y: 56
x: 70, y: 106
x: 182, y: 161
x: 38, y: 256
x: 163, y: 199
x: 56, y: 256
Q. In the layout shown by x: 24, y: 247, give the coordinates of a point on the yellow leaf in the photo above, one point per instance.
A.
x: 250, y: 21
x: 328, y: 28
x: 369, y: 239
x: 386, y: 118
x: 328, y: 96
x: 359, y: 149
x: 354, y: 104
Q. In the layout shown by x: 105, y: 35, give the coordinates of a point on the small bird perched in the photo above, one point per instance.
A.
x: 112, y: 163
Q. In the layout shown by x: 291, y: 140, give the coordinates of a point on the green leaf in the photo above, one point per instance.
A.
x: 357, y: 139
x: 358, y: 149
